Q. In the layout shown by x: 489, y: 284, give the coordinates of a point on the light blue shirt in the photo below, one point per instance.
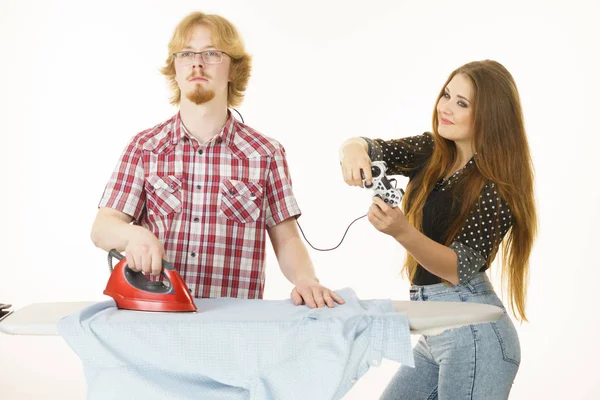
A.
x: 235, y: 349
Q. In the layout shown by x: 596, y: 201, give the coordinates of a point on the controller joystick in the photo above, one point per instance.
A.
x: 382, y: 186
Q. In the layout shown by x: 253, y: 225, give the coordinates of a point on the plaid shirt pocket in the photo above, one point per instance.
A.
x: 241, y: 201
x: 163, y: 195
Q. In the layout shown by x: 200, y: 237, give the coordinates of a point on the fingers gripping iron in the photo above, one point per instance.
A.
x: 133, y: 291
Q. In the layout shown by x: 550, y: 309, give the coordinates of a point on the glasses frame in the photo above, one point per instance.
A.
x: 202, y: 53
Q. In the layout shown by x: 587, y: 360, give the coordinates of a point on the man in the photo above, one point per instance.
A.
x: 202, y: 188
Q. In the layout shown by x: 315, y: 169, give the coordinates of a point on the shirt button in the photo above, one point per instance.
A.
x: 185, y: 139
x: 200, y: 151
x: 198, y: 187
x: 193, y: 254
x: 232, y: 192
x: 219, y: 140
x: 196, y: 219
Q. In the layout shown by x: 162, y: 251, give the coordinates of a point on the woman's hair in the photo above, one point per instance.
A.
x: 502, y: 157
x: 226, y: 38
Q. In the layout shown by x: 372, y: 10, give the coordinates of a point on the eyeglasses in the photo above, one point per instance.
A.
x: 208, y: 56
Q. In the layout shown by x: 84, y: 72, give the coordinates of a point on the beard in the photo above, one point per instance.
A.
x: 200, y: 95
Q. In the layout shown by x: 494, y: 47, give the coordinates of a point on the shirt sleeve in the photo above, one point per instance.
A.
x: 482, y: 232
x: 281, y: 202
x: 125, y: 189
x: 402, y: 156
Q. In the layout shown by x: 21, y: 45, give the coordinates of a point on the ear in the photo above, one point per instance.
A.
x: 231, y: 71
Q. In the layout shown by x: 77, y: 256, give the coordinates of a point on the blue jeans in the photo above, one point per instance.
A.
x: 472, y: 362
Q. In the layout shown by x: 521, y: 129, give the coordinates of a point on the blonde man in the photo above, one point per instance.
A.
x: 201, y: 188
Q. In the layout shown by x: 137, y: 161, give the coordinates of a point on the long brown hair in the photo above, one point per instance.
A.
x: 501, y: 156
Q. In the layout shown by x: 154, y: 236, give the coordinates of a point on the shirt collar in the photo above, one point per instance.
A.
x: 226, y: 135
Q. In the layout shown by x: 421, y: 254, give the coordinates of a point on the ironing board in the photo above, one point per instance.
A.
x: 424, y: 317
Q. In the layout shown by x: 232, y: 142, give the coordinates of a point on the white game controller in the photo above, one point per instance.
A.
x: 381, y: 185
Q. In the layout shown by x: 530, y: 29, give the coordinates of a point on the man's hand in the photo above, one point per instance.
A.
x: 144, y: 252
x: 112, y: 229
x: 313, y: 294
x: 386, y: 219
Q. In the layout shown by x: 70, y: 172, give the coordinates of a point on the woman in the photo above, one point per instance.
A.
x: 470, y: 191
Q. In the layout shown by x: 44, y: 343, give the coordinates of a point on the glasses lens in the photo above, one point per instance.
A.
x: 184, y: 57
x: 212, y: 57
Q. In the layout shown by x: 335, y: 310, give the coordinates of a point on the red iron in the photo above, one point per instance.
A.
x: 134, y: 291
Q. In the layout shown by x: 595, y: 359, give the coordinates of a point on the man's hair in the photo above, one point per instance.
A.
x: 226, y: 38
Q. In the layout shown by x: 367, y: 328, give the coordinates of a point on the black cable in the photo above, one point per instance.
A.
x: 304, y: 236
x: 333, y: 248
x: 238, y: 114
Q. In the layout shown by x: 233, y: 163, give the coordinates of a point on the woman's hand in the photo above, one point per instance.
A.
x: 386, y: 219
x: 355, y: 162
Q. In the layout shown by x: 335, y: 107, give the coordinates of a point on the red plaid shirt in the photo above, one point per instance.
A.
x: 209, y: 203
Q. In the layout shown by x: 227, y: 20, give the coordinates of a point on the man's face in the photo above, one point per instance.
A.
x: 199, y: 81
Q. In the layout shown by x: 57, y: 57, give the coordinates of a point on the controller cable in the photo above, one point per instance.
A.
x: 343, y: 237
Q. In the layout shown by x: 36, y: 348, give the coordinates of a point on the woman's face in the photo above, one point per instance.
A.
x: 455, y: 110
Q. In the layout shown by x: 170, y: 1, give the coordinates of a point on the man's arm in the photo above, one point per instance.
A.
x: 112, y: 229
x: 293, y: 258
x: 296, y: 265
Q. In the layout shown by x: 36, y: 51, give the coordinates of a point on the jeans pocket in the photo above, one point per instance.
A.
x: 508, y: 339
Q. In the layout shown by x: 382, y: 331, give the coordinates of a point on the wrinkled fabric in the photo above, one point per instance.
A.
x: 235, y: 348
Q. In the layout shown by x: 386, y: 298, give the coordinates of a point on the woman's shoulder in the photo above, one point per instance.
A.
x: 424, y: 139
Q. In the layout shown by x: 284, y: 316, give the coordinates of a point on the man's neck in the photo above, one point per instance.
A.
x: 203, y: 121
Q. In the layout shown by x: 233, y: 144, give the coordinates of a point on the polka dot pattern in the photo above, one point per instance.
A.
x: 446, y: 184
x: 487, y: 223
x: 482, y: 232
x: 401, y: 154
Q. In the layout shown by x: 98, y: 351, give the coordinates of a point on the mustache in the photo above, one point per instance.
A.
x: 198, y: 75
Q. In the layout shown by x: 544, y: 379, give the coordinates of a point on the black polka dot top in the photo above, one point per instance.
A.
x: 482, y: 231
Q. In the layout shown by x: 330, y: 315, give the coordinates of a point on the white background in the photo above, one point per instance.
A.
x: 79, y: 78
